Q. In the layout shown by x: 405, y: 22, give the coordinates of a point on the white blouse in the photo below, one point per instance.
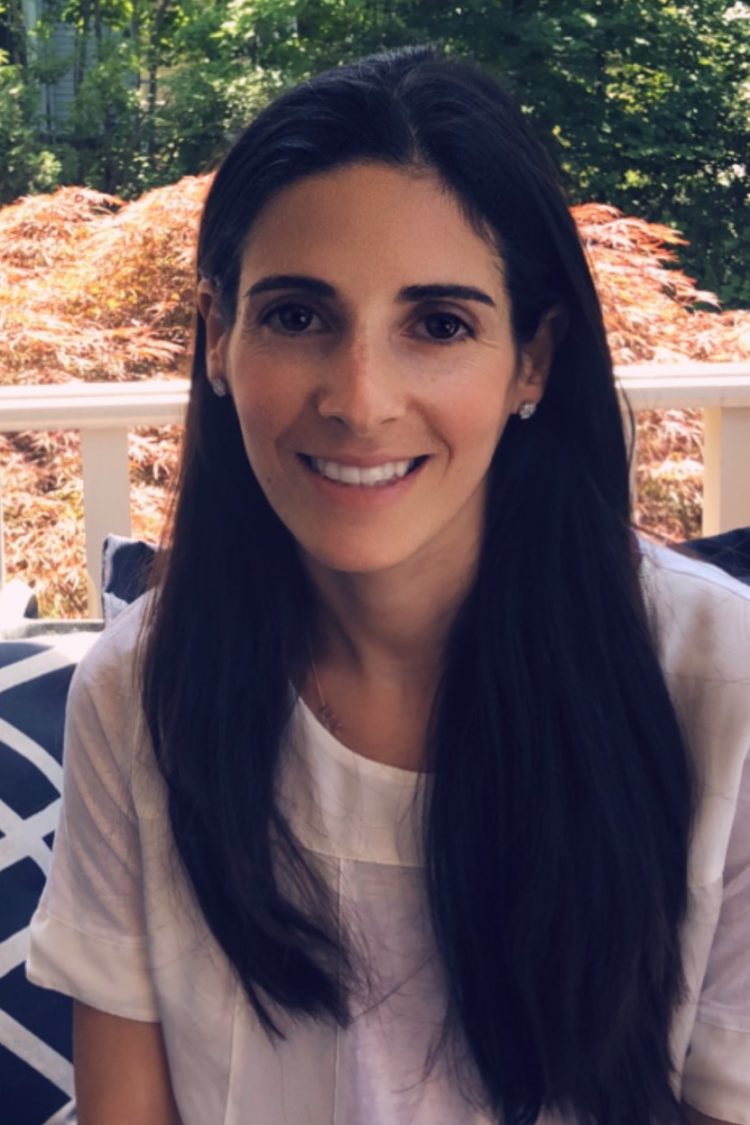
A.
x: 118, y: 927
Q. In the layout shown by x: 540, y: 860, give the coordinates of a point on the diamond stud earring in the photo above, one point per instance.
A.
x: 219, y: 387
x: 526, y: 410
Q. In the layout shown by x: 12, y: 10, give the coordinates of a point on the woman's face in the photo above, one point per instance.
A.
x: 372, y: 367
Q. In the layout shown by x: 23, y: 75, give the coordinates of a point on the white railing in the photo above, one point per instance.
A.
x: 104, y: 412
x: 722, y: 392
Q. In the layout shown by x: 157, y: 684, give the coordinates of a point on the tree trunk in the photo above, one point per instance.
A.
x: 15, y: 34
x: 153, y: 59
x: 98, y: 28
x: 82, y: 44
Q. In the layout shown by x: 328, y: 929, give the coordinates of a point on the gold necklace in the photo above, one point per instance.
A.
x: 325, y: 713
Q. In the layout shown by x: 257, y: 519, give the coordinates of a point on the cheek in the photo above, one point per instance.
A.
x: 265, y: 389
x: 268, y: 406
x: 477, y: 419
x: 259, y: 424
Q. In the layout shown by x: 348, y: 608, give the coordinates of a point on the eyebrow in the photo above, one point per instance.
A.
x: 410, y: 293
x: 456, y: 292
x: 292, y: 281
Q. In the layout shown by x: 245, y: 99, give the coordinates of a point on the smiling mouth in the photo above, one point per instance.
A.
x: 376, y: 476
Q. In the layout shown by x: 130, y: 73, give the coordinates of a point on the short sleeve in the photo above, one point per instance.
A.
x: 88, y: 935
x: 716, y: 1079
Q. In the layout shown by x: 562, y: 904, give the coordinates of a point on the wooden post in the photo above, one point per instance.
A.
x: 106, y: 498
x: 726, y: 461
x: 2, y: 556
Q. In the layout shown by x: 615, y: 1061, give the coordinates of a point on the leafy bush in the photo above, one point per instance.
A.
x: 27, y: 165
x: 104, y: 129
x: 203, y: 105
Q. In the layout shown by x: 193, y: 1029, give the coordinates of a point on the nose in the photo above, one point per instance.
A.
x: 361, y: 387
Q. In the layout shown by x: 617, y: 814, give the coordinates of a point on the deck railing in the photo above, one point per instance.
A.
x: 105, y: 412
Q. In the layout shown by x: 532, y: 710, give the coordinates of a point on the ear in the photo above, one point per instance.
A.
x: 217, y: 333
x: 537, y: 354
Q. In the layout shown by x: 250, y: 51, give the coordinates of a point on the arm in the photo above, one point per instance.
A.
x: 121, y: 1073
x: 717, y: 1068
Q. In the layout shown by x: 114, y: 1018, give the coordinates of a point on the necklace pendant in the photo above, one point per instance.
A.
x: 329, y: 719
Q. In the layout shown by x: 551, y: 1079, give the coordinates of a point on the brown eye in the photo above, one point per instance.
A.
x: 293, y: 319
x: 444, y: 326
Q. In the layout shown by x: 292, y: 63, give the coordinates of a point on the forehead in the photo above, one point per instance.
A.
x: 370, y: 220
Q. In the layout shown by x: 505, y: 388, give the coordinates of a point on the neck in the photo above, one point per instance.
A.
x: 377, y: 651
x: 383, y: 626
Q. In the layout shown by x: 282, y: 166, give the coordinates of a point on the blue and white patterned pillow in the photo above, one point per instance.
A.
x: 126, y: 567
x: 730, y: 550
x: 36, y: 1075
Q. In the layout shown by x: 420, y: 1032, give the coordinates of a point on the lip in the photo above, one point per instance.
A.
x: 358, y: 497
x: 369, y: 462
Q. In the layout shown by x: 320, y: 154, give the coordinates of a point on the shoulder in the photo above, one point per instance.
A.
x: 111, y: 664
x: 701, y: 622
x: 104, y: 718
x: 699, y: 614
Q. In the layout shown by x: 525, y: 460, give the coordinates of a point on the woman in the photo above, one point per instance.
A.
x: 421, y: 809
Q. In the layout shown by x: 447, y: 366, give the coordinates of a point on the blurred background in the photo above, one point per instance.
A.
x: 114, y: 112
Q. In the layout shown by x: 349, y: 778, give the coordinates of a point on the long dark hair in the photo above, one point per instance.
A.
x: 559, y: 813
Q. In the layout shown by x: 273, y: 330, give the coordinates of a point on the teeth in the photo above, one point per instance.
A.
x: 351, y: 474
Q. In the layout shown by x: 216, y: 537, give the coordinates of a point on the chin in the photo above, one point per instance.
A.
x: 356, y: 560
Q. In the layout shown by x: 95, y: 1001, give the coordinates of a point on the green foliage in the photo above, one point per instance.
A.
x: 203, y: 106
x: 27, y: 165
x: 645, y: 104
x: 104, y: 126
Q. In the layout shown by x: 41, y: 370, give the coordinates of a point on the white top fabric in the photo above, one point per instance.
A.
x: 118, y: 928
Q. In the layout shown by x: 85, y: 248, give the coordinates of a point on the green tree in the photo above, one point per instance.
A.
x: 645, y: 104
x: 27, y: 165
